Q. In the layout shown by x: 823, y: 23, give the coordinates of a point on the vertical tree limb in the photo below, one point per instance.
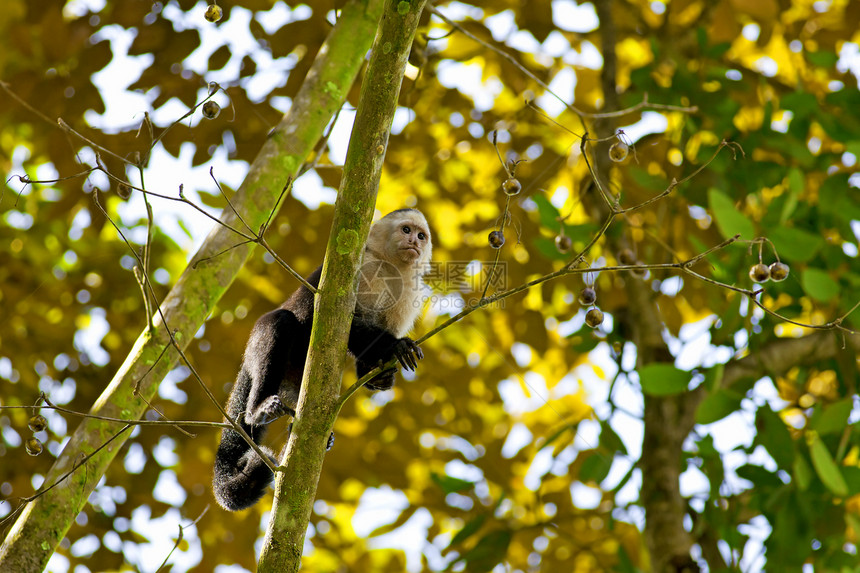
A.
x: 667, y: 420
x: 296, y: 485
x: 41, y: 525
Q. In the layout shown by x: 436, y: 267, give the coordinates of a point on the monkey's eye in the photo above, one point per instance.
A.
x: 422, y: 236
x: 406, y: 229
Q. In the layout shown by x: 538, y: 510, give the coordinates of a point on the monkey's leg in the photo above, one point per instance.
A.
x: 275, y: 342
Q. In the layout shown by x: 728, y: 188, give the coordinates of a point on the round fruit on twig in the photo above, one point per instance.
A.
x: 512, y: 186
x: 626, y: 257
x: 210, y: 109
x: 496, y: 239
x: 618, y: 151
x: 640, y: 272
x: 213, y: 13
x: 37, y: 423
x: 587, y: 296
x: 778, y: 271
x: 563, y: 243
x: 759, y: 273
x: 594, y: 317
x: 33, y: 446
x: 123, y: 190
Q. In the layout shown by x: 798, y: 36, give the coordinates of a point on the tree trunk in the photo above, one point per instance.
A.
x: 44, y: 522
x: 295, y: 486
x: 667, y: 419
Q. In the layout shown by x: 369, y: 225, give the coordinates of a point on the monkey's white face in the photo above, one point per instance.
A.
x: 409, y: 240
x: 403, y: 238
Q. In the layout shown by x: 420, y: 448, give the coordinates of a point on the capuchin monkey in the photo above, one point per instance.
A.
x: 388, y: 300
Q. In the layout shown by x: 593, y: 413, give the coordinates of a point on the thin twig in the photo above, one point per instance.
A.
x: 235, y: 425
x: 180, y: 537
x: 51, y: 406
x: 581, y: 114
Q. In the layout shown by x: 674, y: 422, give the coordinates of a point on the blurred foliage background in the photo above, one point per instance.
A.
x: 517, y: 446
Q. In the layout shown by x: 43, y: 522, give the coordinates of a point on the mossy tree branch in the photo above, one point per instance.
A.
x: 296, y: 485
x: 44, y: 521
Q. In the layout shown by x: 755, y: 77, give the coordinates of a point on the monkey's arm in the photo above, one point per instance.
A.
x: 372, y: 346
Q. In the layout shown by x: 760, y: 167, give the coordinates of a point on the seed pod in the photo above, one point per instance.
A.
x: 33, y: 446
x: 512, y: 186
x: 618, y: 151
x: 563, y: 243
x: 778, y: 271
x: 626, y: 257
x: 594, y: 317
x: 759, y: 273
x: 213, y: 13
x: 210, y: 109
x: 640, y: 272
x: 123, y: 190
x: 496, y: 239
x: 37, y: 423
x: 587, y: 296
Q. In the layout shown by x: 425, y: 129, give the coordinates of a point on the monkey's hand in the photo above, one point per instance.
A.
x: 407, y: 353
x: 270, y: 410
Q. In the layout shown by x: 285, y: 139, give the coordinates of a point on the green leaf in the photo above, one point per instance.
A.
x: 583, y: 340
x: 801, y: 103
x: 823, y: 58
x: 571, y: 429
x: 595, y: 467
x: 489, y: 552
x: 471, y: 527
x: 648, y: 181
x: 717, y: 406
x: 833, y: 419
x: 796, y: 181
x: 404, y: 516
x: 802, y: 473
x: 547, y: 211
x: 795, y: 245
x: 625, y: 564
x: 818, y: 284
x: 729, y: 220
x: 714, y: 377
x: 854, y: 522
x: 450, y: 484
x: 852, y: 478
x: 609, y: 440
x: 759, y: 476
x: 185, y: 228
x: 796, y: 184
x: 772, y: 433
x: 826, y: 468
x: 661, y: 379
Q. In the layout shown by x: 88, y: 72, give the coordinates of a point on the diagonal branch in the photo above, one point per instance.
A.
x: 781, y: 355
x: 43, y: 523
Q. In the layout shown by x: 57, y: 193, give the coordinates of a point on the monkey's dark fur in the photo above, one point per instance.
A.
x: 267, y: 386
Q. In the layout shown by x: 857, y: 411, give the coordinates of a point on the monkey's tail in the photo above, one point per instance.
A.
x: 241, y: 477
